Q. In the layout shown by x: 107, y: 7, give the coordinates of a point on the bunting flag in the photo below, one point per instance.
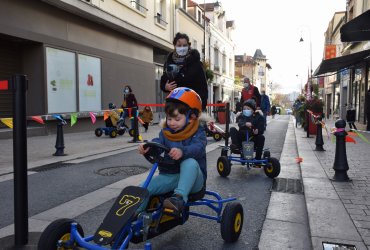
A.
x: 73, y: 118
x: 58, y: 117
x: 299, y: 159
x: 92, y: 116
x: 120, y: 110
x: 38, y: 119
x: 351, y: 133
x: 7, y: 121
x: 106, y: 115
x: 350, y: 139
x: 129, y: 112
x: 362, y: 137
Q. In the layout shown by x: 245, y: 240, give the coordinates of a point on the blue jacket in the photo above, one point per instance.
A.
x: 265, y: 103
x: 193, y: 147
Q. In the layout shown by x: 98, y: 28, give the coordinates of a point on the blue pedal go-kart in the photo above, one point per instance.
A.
x: 245, y: 156
x: 113, y: 131
x: 122, y: 225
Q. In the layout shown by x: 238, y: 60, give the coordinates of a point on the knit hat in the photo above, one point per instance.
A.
x: 250, y: 103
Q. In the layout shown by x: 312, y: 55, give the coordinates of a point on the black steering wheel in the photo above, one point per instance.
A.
x: 155, y: 151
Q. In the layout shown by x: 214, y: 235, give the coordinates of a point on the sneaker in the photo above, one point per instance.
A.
x: 174, y: 205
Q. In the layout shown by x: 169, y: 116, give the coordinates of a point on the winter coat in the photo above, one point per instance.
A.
x: 191, y: 75
x: 351, y: 115
x: 193, y: 147
x: 265, y: 104
x: 129, y: 101
x: 367, y: 103
x: 114, y: 117
x: 257, y: 120
x: 251, y: 92
x: 146, y: 115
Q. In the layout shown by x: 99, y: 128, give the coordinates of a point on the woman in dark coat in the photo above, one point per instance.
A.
x: 183, y: 68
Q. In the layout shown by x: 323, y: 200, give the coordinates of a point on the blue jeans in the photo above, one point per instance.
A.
x: 189, y: 180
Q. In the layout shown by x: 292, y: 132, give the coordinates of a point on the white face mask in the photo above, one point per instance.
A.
x: 246, y: 85
x: 182, y: 51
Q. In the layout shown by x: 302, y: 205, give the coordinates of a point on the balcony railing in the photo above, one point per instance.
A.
x: 138, y: 6
x: 160, y: 20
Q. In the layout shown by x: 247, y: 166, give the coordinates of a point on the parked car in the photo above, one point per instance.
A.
x: 288, y: 111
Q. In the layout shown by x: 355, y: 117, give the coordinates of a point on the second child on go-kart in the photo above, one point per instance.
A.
x: 113, y: 116
x: 186, y: 138
x: 251, y: 121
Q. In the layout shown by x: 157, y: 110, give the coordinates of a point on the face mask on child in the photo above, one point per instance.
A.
x: 247, y: 112
x: 127, y: 91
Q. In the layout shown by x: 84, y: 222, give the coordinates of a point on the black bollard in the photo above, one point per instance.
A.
x: 19, y: 88
x: 340, y: 162
x: 59, y: 144
x: 136, y: 127
x: 319, y: 141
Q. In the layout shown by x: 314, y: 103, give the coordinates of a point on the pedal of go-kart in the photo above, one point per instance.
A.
x: 121, y: 212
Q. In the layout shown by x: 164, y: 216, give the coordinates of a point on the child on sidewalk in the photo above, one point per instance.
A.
x: 250, y: 120
x: 187, y: 141
x: 146, y: 116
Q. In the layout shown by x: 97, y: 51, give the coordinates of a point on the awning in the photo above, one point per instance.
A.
x: 358, y: 29
x: 341, y: 62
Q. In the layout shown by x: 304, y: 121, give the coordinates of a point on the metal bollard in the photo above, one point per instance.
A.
x: 135, y: 127
x: 59, y: 144
x: 319, y: 140
x: 340, y: 162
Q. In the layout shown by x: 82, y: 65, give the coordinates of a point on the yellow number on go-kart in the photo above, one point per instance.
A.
x: 127, y: 201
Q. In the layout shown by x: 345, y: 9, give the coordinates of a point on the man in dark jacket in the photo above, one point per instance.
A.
x: 183, y: 68
x: 265, y: 106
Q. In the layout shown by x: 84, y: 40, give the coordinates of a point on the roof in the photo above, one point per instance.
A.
x: 258, y: 54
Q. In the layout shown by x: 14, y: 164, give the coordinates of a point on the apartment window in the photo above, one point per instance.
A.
x: 230, y: 67
x: 139, y: 5
x: 199, y: 16
x: 216, y: 62
x: 184, y: 4
x: 194, y: 45
x: 161, y: 12
x: 224, y: 64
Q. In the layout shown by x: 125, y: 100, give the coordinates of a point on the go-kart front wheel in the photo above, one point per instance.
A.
x: 217, y: 136
x: 113, y: 133
x: 57, y: 230
x: 223, y: 166
x: 232, y: 222
x: 98, y: 132
x: 272, y: 168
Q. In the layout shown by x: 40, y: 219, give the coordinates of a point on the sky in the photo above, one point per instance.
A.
x: 275, y: 27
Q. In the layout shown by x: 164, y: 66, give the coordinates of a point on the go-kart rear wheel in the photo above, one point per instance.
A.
x: 98, y: 132
x: 113, y: 133
x: 131, y: 132
x: 57, y: 230
x: 217, y: 136
x: 232, y: 222
x: 223, y: 166
x: 272, y: 168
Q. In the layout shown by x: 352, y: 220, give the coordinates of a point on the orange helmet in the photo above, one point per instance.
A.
x: 186, y: 96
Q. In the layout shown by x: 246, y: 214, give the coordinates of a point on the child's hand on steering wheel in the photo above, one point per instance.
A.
x: 248, y: 124
x: 255, y: 131
x: 142, y: 150
x: 175, y: 153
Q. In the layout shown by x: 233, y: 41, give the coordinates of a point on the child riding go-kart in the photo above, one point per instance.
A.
x: 248, y: 143
x: 114, y: 125
x: 122, y: 225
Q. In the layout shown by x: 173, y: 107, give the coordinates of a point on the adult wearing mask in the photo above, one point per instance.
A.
x: 250, y: 92
x: 183, y: 68
x: 265, y: 105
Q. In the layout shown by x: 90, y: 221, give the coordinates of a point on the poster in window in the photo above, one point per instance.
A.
x: 89, y: 83
x: 61, y: 80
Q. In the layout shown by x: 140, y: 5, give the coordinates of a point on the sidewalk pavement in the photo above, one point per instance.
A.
x: 337, y: 212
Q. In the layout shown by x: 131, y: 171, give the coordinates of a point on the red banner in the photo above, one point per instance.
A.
x: 4, y: 85
x: 330, y: 51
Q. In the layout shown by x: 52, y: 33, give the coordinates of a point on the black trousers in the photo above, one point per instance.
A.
x: 237, y: 137
x: 352, y: 124
x: 146, y: 125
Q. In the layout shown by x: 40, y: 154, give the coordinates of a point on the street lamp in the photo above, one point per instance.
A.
x: 309, y: 85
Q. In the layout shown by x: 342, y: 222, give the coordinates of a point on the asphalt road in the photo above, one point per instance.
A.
x: 54, y: 185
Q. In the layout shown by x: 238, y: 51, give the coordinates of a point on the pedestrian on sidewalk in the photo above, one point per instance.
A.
x: 129, y: 101
x: 351, y: 116
x: 187, y: 140
x: 265, y: 106
x: 147, y: 116
x: 250, y: 92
